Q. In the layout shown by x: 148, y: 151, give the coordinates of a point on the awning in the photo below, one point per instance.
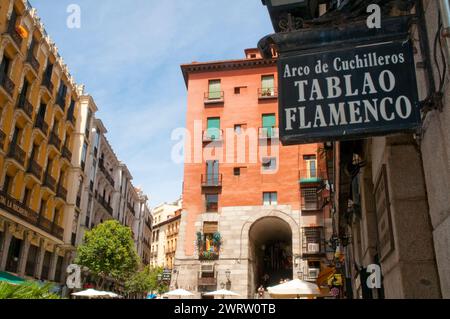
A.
x: 324, y: 275
x: 11, y: 279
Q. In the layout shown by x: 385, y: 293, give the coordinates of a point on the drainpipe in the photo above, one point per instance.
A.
x: 445, y: 14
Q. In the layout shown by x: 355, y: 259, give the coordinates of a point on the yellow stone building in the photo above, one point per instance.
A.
x: 39, y: 110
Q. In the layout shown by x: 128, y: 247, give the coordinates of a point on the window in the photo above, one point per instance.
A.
x: 88, y: 123
x: 237, y: 90
x: 212, y: 203
x: 310, y: 199
x: 4, y: 68
x: 24, y: 92
x: 27, y: 197
x: 270, y: 198
x: 311, y: 166
x: 214, y: 92
x: 238, y: 129
x: 42, y: 111
x: 268, y: 123
x: 7, y: 184
x: 269, y: 163
x: 84, y: 154
x: 268, y: 85
x: 212, y: 172
x: 237, y: 171
x: 213, y: 128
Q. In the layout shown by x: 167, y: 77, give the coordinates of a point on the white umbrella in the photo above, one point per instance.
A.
x: 222, y: 292
x: 91, y: 293
x: 111, y: 294
x: 179, y: 293
x: 295, y: 289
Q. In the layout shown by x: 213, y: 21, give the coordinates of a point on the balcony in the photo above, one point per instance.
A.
x: 131, y: 209
x: 66, y: 153
x: 17, y: 154
x: 267, y: 93
x: 12, y: 32
x: 22, y: 211
x: 7, y: 84
x: 212, y: 135
x: 41, y: 125
x: 2, y: 139
x: 105, y: 205
x: 265, y: 133
x: 106, y: 173
x: 313, y: 241
x: 71, y: 118
x: 35, y: 169
x: 31, y: 60
x: 213, y: 98
x: 311, y: 176
x: 61, y: 192
x: 47, y: 83
x: 49, y: 182
x: 25, y: 105
x: 212, y: 180
x: 60, y: 101
x: 207, y: 281
x: 55, y: 140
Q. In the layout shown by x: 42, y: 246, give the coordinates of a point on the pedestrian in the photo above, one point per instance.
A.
x: 261, y: 292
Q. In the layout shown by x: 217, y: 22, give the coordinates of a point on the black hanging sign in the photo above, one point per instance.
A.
x: 348, y: 93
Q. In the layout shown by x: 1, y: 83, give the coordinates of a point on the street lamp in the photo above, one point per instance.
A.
x: 288, y: 15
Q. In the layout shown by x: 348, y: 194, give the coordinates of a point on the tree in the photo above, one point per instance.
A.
x: 146, y: 281
x: 28, y: 290
x: 108, y: 251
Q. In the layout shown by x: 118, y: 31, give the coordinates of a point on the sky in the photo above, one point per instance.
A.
x: 128, y: 53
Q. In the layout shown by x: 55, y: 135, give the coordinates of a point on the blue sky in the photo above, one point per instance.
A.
x: 128, y: 53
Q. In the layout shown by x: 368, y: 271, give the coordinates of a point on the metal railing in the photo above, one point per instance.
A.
x: 267, y: 93
x: 268, y: 132
x: 7, y: 84
x: 212, y: 180
x: 49, y: 182
x: 213, y: 97
x: 61, y: 192
x: 41, y: 125
x: 47, y: 83
x: 55, y: 140
x: 35, y: 169
x: 33, y: 62
x: 66, y: 153
x: 311, y: 176
x: 213, y: 134
x: 25, y: 105
x: 17, y: 153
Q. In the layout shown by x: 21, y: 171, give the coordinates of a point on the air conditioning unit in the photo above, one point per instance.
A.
x: 313, y: 247
x: 313, y: 273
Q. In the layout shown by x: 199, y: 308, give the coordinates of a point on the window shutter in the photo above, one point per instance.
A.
x: 214, y: 89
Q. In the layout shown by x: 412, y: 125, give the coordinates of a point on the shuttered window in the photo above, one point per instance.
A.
x: 213, y: 128
x: 214, y: 91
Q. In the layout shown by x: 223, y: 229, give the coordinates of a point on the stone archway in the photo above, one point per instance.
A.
x: 271, y: 243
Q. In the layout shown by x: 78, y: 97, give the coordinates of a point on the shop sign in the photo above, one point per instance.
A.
x: 347, y: 93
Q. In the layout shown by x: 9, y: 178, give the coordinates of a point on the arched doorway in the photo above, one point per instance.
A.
x: 270, y: 252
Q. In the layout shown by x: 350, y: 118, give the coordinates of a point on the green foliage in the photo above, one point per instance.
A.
x: 146, y: 281
x: 28, y: 290
x: 199, y: 240
x: 108, y: 250
x: 217, y: 240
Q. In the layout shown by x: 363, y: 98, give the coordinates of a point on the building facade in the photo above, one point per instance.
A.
x: 40, y: 113
x: 253, y: 210
x: 58, y: 173
x: 166, y: 222
x: 391, y: 193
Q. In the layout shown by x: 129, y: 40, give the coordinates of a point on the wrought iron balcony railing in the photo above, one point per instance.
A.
x: 213, y: 135
x: 17, y: 153
x: 2, y: 139
x: 311, y: 176
x: 22, y: 211
x: 66, y: 153
x: 61, y: 192
x: 41, y: 125
x: 33, y: 62
x: 106, y: 173
x: 55, y: 140
x: 7, y: 84
x: 212, y: 180
x: 267, y: 93
x: 35, y: 169
x: 214, y: 97
x: 268, y: 133
x: 49, y: 182
x: 25, y: 105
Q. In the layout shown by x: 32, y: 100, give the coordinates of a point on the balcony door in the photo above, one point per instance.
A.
x: 268, y: 123
x: 311, y: 166
x: 212, y: 172
x: 268, y: 85
x: 213, y: 128
x: 214, y: 92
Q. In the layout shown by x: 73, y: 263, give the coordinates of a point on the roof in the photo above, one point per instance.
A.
x: 223, y: 65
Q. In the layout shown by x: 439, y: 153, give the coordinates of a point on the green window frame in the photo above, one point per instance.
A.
x: 268, y: 123
x: 214, y: 90
x: 213, y: 128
